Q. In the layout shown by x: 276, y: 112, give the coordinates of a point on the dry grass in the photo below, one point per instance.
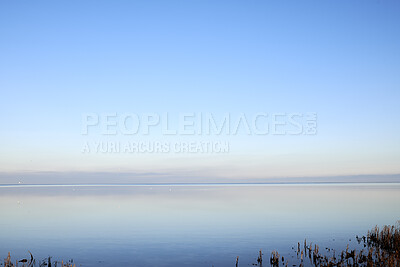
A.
x: 32, y: 262
x: 382, y: 248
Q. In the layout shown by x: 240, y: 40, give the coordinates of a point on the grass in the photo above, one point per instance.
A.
x: 33, y: 262
x: 381, y: 248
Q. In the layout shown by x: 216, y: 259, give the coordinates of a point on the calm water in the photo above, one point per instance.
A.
x: 186, y: 225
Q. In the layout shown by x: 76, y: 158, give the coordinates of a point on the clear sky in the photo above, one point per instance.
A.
x: 60, y: 60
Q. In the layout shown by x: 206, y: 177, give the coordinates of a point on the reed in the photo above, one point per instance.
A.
x: 259, y: 259
x: 274, y: 260
x: 33, y: 263
x: 382, y: 248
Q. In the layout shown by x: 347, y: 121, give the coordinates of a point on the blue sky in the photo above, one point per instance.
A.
x: 340, y: 59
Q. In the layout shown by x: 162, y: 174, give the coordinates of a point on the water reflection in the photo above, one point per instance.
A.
x: 186, y: 225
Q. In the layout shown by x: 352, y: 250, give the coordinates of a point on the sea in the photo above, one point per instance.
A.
x: 188, y: 224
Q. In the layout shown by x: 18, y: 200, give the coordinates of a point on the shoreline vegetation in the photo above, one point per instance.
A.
x: 381, y: 247
x: 32, y: 262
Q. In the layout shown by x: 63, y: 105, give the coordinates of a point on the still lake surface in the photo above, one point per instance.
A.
x: 187, y: 225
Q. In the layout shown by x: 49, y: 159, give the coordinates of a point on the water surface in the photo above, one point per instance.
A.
x: 186, y: 225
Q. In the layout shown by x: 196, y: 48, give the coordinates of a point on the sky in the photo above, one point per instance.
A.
x: 76, y: 74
